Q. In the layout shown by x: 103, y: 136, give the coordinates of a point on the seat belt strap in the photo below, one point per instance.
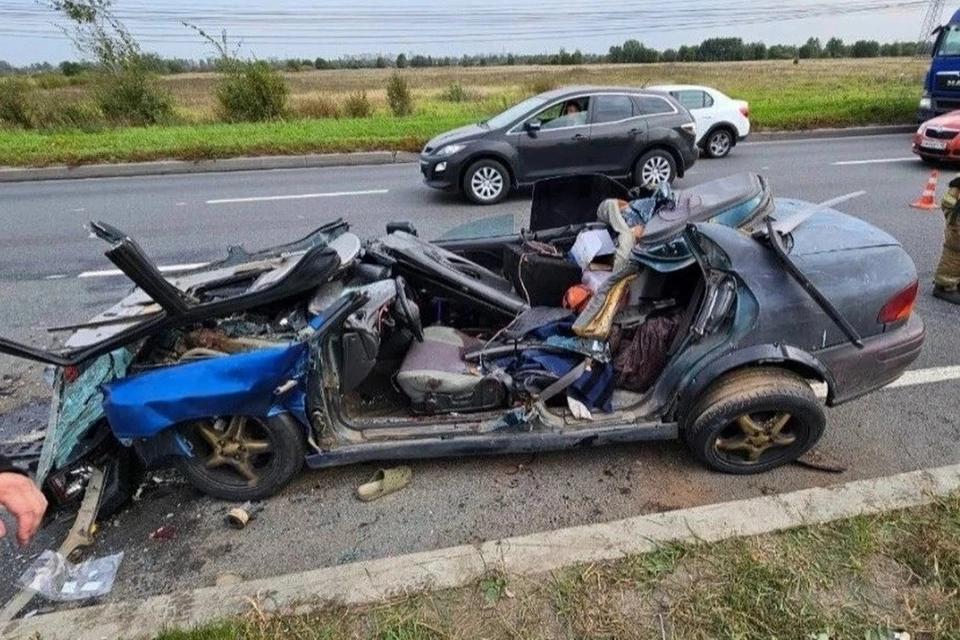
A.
x: 568, y: 379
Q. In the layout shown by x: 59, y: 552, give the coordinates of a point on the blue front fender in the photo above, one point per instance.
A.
x: 148, y: 403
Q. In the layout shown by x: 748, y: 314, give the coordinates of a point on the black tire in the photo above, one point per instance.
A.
x: 486, y: 182
x: 719, y: 143
x: 653, y: 166
x: 765, y: 396
x: 273, y: 469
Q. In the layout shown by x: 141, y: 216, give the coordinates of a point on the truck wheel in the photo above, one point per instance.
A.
x: 486, y: 182
x: 243, y: 458
x: 754, y: 420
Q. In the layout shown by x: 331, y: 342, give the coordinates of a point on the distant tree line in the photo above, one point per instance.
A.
x: 630, y: 52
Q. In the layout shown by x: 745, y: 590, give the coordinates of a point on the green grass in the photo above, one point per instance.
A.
x: 862, y: 578
x: 208, y: 141
x: 782, y: 96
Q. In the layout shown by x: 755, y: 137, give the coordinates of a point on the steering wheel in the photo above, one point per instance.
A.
x: 409, y: 312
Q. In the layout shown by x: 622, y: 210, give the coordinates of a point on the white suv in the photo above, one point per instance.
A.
x: 721, y: 120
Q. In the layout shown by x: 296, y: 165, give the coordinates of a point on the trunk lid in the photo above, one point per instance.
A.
x: 830, y: 230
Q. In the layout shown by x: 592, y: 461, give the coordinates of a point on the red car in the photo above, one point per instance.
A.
x: 939, y: 138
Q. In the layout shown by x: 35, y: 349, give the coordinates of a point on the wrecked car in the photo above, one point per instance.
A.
x: 610, y: 317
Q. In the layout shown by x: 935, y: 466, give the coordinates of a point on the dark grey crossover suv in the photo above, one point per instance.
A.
x: 621, y: 132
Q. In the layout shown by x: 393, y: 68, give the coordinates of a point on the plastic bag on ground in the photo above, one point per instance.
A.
x: 55, y: 578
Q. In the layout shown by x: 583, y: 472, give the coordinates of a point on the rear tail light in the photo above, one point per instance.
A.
x: 745, y: 110
x: 690, y: 127
x: 900, y: 306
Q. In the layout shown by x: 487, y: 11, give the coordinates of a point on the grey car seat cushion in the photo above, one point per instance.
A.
x: 436, y: 365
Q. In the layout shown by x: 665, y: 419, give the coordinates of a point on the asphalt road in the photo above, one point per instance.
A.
x: 317, y: 522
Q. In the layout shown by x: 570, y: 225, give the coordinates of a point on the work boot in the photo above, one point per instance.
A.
x: 949, y: 295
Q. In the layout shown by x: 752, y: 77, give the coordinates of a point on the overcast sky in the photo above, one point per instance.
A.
x: 327, y: 28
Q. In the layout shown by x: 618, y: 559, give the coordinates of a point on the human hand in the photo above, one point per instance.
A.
x: 25, y: 502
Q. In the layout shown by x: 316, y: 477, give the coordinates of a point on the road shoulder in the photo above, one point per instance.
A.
x: 372, y: 581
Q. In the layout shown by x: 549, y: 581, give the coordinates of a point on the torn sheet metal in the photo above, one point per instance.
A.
x: 143, y: 405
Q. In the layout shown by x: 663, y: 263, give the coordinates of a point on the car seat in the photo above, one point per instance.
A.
x: 437, y: 378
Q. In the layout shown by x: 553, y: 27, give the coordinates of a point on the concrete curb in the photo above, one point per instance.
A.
x: 366, y: 582
x: 177, y: 167
x: 818, y: 134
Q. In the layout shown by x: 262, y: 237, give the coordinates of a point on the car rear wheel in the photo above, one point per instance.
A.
x: 719, y: 143
x: 754, y: 420
x: 486, y: 182
x: 243, y: 458
x: 655, y: 167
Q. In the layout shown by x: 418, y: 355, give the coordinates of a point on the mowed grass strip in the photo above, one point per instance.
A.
x: 782, y: 96
x: 864, y: 578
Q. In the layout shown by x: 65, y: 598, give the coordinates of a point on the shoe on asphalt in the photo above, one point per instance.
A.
x: 949, y: 295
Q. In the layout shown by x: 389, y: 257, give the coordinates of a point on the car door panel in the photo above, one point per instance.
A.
x: 560, y: 147
x: 617, y: 133
x: 550, y: 153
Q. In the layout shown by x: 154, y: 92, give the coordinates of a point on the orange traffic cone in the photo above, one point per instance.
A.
x: 927, y: 199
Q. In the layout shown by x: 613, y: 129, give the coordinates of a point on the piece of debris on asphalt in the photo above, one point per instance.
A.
x: 166, y: 532
x: 227, y: 578
x: 383, y: 482
x: 238, y: 518
x: 817, y: 459
x: 56, y: 578
x: 78, y: 536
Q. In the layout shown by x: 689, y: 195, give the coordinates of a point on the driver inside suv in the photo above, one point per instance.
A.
x: 571, y: 114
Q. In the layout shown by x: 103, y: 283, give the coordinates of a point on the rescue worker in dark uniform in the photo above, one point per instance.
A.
x: 21, y: 497
x: 946, y: 281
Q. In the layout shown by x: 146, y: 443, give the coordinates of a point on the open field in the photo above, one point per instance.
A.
x: 782, y: 95
x: 863, y: 578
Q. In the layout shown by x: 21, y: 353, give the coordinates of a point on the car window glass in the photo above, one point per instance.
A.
x: 612, y: 108
x: 514, y: 112
x: 569, y: 113
x: 707, y: 99
x: 692, y: 99
x: 653, y: 105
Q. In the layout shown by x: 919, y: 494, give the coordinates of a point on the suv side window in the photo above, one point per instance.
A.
x: 568, y: 113
x: 653, y: 106
x: 611, y: 108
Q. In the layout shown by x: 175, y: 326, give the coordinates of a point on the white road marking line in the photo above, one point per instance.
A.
x: 909, y: 379
x: 117, y: 272
x: 80, y: 210
x: 849, y: 163
x: 301, y: 196
x: 56, y: 276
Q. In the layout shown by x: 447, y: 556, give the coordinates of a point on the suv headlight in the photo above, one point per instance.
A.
x: 450, y: 149
x: 926, y: 103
